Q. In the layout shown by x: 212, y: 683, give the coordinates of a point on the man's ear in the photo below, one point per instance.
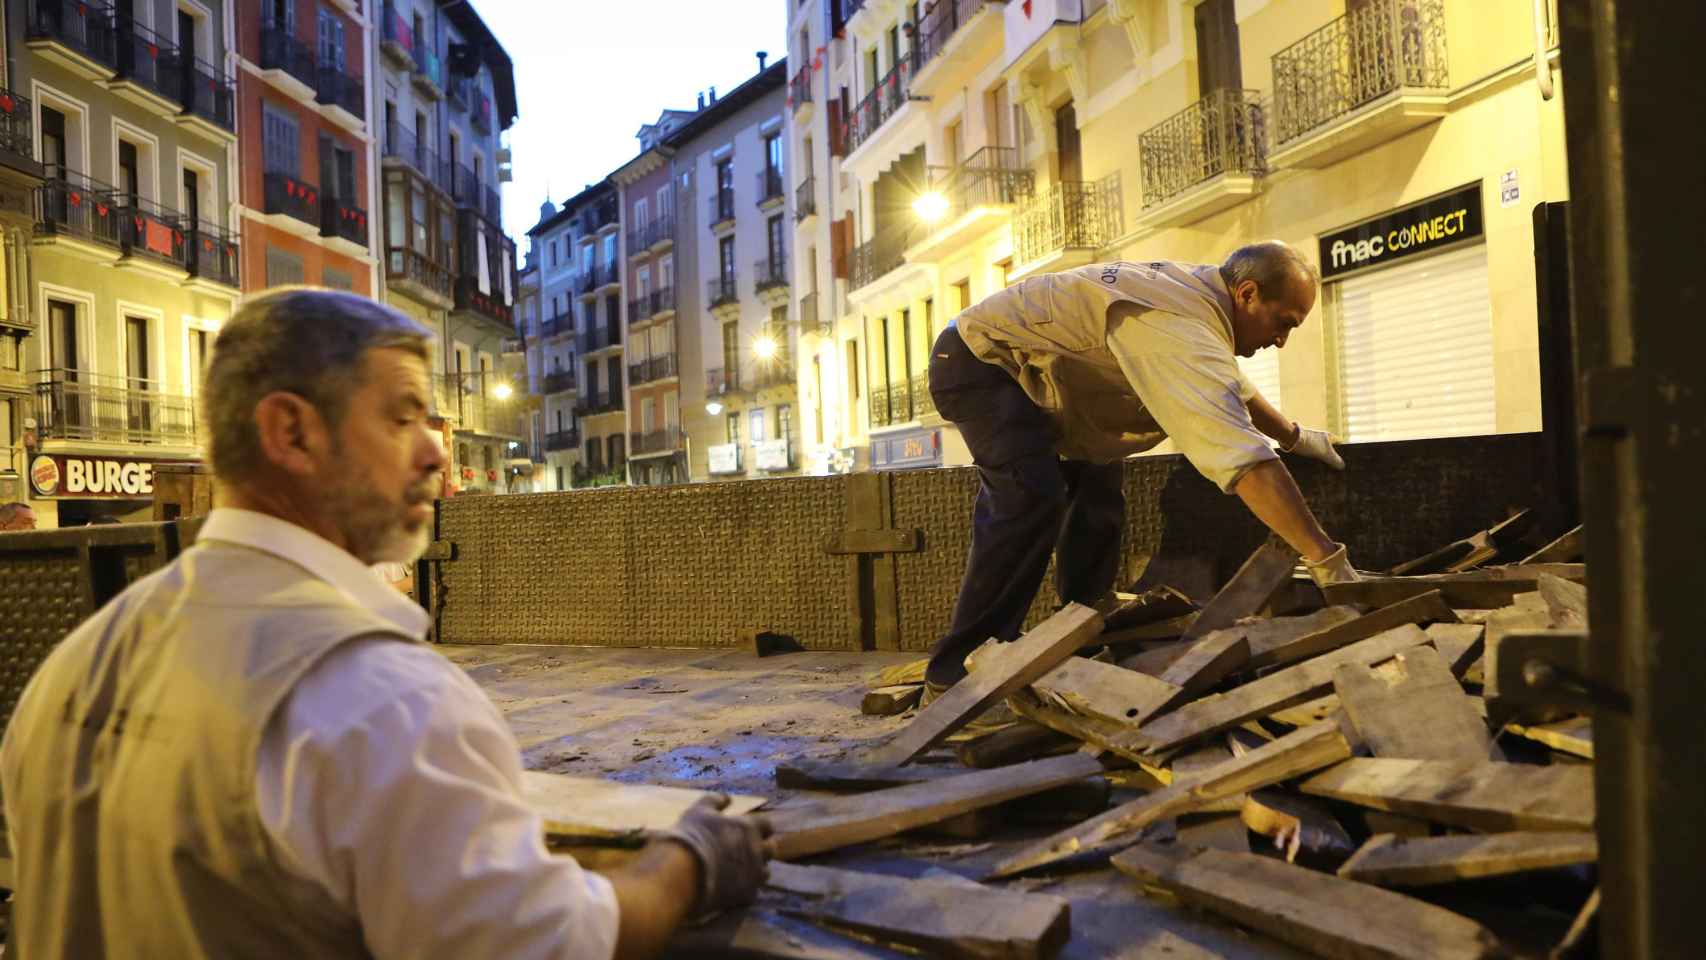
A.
x: 293, y: 436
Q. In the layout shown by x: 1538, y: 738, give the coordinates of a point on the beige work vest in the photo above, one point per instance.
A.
x: 1051, y: 333
x: 129, y: 768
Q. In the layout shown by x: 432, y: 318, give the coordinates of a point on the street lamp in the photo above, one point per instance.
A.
x: 502, y: 391
x: 765, y: 347
x: 713, y: 408
x: 930, y: 206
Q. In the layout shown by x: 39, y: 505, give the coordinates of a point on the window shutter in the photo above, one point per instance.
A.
x: 838, y: 237
x: 836, y: 149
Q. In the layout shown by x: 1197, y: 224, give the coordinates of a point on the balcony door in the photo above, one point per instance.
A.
x: 725, y: 189
x: 726, y: 265
x: 1218, y: 63
x: 331, y: 40
x: 139, y: 382
x: 777, y: 252
x: 328, y: 167
x: 1071, y: 149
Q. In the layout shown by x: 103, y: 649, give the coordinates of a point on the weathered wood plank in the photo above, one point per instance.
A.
x: 1573, y: 736
x: 1147, y: 633
x: 583, y: 805
x: 1421, y: 714
x: 1292, y: 755
x: 1117, y: 738
x: 1270, y: 634
x: 1567, y: 601
x: 757, y: 934
x: 1150, y: 606
x: 1276, y: 691
x: 1424, y: 608
x: 1486, y: 588
x: 1248, y: 590
x: 837, y: 822
x: 1029, y: 657
x: 1469, y: 552
x: 1104, y: 690
x: 1204, y: 664
x: 1013, y: 744
x: 946, y: 919
x: 1490, y: 797
x: 1565, y: 549
x: 889, y: 701
x: 1316, y: 912
x: 1459, y: 644
x: 1393, y: 861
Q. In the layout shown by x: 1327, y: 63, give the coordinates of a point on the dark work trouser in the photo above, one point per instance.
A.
x: 1030, y: 503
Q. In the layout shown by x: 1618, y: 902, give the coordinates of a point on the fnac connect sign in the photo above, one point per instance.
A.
x: 1446, y: 219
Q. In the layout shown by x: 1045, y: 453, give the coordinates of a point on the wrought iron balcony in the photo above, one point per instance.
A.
x: 407, y: 265
x: 563, y: 439
x: 722, y: 381
x: 153, y: 232
x: 1387, y: 46
x: 213, y: 254
x: 991, y: 177
x: 666, y: 440
x: 884, y: 101
x: 429, y: 71
x: 769, y: 273
x: 559, y: 381
x: 480, y: 111
x: 75, y: 206
x: 943, y: 20
x: 1223, y: 133
x: 901, y: 402
x: 280, y: 50
x: 17, y: 131
x: 82, y: 27
x: 397, y: 38
x: 342, y: 218
x: 336, y: 88
x: 662, y: 300
x: 658, y: 232
x: 805, y: 199
x: 598, y: 401
x: 286, y: 194
x: 923, y: 405
x: 558, y: 325
x: 77, y: 405
x: 148, y: 60
x: 881, y: 414
x: 800, y: 87
x: 639, y: 311
x: 209, y: 94
x: 722, y: 208
x: 600, y: 337
x: 778, y: 371
x: 602, y: 214
x: 469, y: 297
x: 401, y: 144
x: 770, y: 188
x: 659, y: 367
x: 876, y: 257
x: 1071, y: 215
x: 809, y: 320
x: 720, y: 291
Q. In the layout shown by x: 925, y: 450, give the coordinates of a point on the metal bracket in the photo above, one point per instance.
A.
x: 1551, y: 668
x: 875, y: 541
x: 442, y: 551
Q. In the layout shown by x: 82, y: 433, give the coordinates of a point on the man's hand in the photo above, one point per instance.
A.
x: 1316, y: 445
x: 731, y: 852
x: 1335, y: 567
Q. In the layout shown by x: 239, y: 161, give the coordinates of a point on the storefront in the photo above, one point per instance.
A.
x: 1407, y: 295
x: 907, y: 449
x: 73, y: 489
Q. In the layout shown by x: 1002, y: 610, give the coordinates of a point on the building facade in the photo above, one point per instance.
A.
x: 657, y: 444
x: 956, y: 148
x: 733, y: 283
x: 305, y: 183
x: 130, y: 113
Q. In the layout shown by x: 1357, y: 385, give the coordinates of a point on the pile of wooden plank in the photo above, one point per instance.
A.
x: 1334, y: 768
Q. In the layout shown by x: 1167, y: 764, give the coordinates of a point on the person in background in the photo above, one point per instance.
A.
x: 17, y: 517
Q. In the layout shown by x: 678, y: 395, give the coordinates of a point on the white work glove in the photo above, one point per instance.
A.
x: 1335, y: 567
x: 731, y: 851
x: 1316, y: 445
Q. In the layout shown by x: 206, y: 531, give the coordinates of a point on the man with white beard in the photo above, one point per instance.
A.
x: 251, y: 753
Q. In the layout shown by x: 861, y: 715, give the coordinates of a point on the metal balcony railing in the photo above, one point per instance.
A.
x: 943, y: 20
x: 720, y: 291
x: 598, y: 338
x: 881, y: 414
x: 720, y: 381
x: 77, y: 405
x: 1071, y: 215
x: 82, y: 26
x: 800, y: 87
x: 666, y: 440
x: 923, y: 404
x: 559, y: 381
x: 659, y: 230
x: 883, y: 101
x: 147, y: 229
x: 876, y: 257
x: 598, y: 401
x: 480, y: 111
x: 662, y: 300
x: 1386, y: 46
x: 149, y: 60
x: 401, y: 144
x: 809, y: 320
x: 805, y: 199
x: 770, y: 273
x: 991, y: 177
x: 73, y: 205
x: 405, y: 264
x: 213, y: 254
x: 280, y: 50
x: 209, y: 93
x: 335, y: 87
x: 770, y: 187
x: 467, y: 296
x: 721, y: 208
x: 563, y: 439
x: 17, y: 130
x: 286, y: 194
x: 1224, y: 132
x: 778, y: 371
x: 556, y: 326
x: 659, y: 367
x: 397, y: 33
x: 341, y: 218
x: 639, y: 311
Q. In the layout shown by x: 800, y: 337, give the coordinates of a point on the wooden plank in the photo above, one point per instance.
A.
x: 945, y: 919
x: 769, y: 935
x: 1104, y: 690
x: 909, y: 672
x: 1117, y: 738
x: 1248, y: 590
x: 1565, y: 549
x: 1393, y: 861
x: 1490, y: 797
x: 890, y: 701
x: 1567, y: 601
x: 1459, y: 644
x: 1029, y: 657
x: 1219, y: 831
x: 845, y: 777
x: 1469, y: 552
x: 1581, y: 933
x: 1487, y: 588
x: 1274, y: 632
x: 1292, y: 755
x: 1422, y: 714
x: 836, y: 822
x: 1500, y: 625
x: 1296, y: 825
x: 1425, y: 608
x: 1204, y: 664
x: 1148, y: 633
x: 1573, y: 736
x: 581, y: 805
x: 1199, y: 760
x: 1315, y: 912
x: 1156, y: 660
x: 1276, y: 691
x: 1150, y: 606
x: 1012, y: 744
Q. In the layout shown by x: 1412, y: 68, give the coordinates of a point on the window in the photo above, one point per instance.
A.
x: 281, y: 13
x: 283, y: 267
x: 336, y: 279
x: 643, y: 282
x: 963, y: 288
x: 54, y: 147
x: 732, y: 431
x: 129, y: 177
x: 756, y: 424
x: 610, y: 251
x: 560, y: 484
x: 951, y: 144
x: 784, y: 421
x: 1218, y: 66
x: 1004, y: 269
x: 553, y: 254
x: 192, y: 196
x: 725, y: 189
x: 731, y: 354
x: 1067, y: 146
x: 201, y: 346
x: 280, y: 142
x: 773, y: 156
x: 648, y: 415
x: 642, y: 209
x: 666, y: 271
x: 331, y: 36
x: 929, y: 325
x: 726, y: 263
x: 774, y: 244
x: 66, y: 344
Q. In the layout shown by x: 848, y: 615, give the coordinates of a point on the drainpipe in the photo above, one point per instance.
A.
x: 1542, y: 43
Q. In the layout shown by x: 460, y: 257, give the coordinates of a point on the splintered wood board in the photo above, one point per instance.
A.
x: 1421, y: 714
x: 1573, y: 736
x: 1490, y: 797
x: 1104, y: 690
x: 1393, y: 861
x: 1316, y: 912
x: 1248, y: 590
x: 1423, y: 608
x: 572, y: 805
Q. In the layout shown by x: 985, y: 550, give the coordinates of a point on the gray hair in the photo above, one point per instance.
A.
x: 300, y: 340
x: 1271, y: 263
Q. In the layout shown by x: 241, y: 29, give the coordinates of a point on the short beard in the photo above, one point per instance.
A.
x: 375, y: 529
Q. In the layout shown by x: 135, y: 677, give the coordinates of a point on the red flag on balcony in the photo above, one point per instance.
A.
x: 153, y: 52
x: 77, y: 200
x: 101, y: 209
x: 159, y: 238
x: 7, y: 103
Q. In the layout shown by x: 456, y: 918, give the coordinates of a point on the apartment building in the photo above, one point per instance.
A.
x: 445, y: 94
x: 305, y: 183
x: 967, y: 144
x: 733, y: 283
x: 20, y: 178
x: 134, y: 258
x: 530, y: 375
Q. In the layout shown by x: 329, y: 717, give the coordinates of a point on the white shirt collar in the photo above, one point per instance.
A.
x: 320, y: 557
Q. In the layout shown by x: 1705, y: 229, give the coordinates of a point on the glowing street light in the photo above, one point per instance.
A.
x: 502, y: 391
x: 713, y: 408
x: 765, y: 347
x: 930, y: 206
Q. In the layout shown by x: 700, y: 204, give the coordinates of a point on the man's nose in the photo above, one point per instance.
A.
x: 430, y: 454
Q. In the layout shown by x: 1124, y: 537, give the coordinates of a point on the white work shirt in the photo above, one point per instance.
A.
x: 1186, y: 374
x: 388, y: 780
